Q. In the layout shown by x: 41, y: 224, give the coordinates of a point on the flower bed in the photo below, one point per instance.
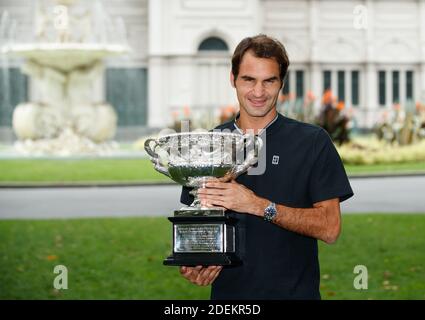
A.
x: 370, y: 150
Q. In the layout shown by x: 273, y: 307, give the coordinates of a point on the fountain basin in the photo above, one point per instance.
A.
x: 65, y: 56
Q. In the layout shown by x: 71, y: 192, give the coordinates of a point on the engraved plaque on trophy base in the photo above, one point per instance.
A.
x: 202, y: 238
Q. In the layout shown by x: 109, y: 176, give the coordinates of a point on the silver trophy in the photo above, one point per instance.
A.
x: 203, y: 235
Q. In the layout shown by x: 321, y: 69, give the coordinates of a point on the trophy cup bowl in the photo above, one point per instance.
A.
x: 203, y: 235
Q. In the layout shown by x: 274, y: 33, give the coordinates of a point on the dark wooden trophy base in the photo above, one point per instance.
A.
x: 203, y: 237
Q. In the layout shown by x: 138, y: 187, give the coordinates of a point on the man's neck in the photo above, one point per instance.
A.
x: 245, y: 122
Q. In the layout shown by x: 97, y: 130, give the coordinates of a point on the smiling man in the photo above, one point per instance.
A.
x: 286, y: 209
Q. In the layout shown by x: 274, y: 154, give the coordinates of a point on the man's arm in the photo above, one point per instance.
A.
x: 323, y: 221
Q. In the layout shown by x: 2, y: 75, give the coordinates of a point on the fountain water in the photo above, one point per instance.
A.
x: 65, y: 63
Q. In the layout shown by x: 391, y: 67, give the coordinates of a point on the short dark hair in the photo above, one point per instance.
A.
x: 262, y: 46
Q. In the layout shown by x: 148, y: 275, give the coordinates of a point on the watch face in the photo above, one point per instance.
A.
x: 270, y: 212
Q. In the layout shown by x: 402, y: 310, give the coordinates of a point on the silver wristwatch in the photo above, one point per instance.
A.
x: 270, y: 212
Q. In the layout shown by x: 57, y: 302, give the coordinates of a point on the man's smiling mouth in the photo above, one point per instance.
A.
x: 258, y: 102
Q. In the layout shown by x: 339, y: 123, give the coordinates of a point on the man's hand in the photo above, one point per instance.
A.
x: 232, y: 196
x: 200, y: 275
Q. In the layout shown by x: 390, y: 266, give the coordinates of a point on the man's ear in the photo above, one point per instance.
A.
x: 232, y: 79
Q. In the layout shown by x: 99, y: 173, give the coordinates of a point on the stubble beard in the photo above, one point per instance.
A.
x: 259, y: 112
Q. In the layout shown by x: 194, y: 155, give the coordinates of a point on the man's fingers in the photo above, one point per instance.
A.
x: 202, y: 275
x: 206, y: 275
x: 214, y: 201
x: 217, y: 272
x: 218, y: 185
x: 213, y: 275
x: 185, y: 270
x: 188, y: 272
x: 194, y: 273
x: 191, y: 273
x: 212, y: 191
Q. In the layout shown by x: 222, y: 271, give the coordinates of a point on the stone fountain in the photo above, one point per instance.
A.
x: 65, y: 64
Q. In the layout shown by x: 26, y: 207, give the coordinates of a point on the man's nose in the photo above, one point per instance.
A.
x: 258, y: 89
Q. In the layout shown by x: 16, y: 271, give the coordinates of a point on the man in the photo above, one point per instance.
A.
x: 283, y: 211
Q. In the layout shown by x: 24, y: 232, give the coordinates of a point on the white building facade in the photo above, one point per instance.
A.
x: 370, y: 53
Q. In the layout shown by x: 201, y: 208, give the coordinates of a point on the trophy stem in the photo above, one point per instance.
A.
x: 196, y: 202
x: 201, y: 183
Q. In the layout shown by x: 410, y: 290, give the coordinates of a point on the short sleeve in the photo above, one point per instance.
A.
x: 186, y: 198
x: 328, y: 178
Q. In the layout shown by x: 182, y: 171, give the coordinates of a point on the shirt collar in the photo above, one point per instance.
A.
x: 261, y: 131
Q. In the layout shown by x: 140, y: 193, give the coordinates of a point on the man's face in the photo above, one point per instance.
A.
x: 257, y: 85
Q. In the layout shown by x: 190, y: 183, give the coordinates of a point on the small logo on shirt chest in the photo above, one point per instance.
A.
x: 275, y: 160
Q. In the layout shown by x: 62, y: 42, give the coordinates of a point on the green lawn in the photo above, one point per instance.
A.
x: 127, y: 171
x: 386, y: 168
x: 74, y: 171
x: 122, y: 259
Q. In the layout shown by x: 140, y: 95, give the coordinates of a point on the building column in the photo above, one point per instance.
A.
x: 421, y: 78
x: 316, y: 84
x: 421, y: 93
x: 334, y: 82
x: 402, y: 87
x: 157, y: 115
x: 347, y: 81
x: 315, y: 69
x: 370, y: 94
x: 388, y: 88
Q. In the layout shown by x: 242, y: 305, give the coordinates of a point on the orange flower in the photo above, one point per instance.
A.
x: 310, y: 95
x: 52, y: 257
x: 340, y: 106
x: 228, y: 111
x: 186, y: 111
x: 327, y: 97
x: 175, y: 114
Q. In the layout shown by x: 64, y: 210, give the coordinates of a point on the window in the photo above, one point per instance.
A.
x: 341, y: 86
x: 355, y: 88
x: 14, y: 90
x: 127, y: 91
x: 299, y: 79
x: 286, y: 86
x: 396, y: 86
x: 213, y: 44
x: 382, y: 88
x: 409, y: 85
x: 327, y: 80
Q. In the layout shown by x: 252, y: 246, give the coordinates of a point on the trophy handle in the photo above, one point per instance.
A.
x: 154, y: 157
x: 251, y: 158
